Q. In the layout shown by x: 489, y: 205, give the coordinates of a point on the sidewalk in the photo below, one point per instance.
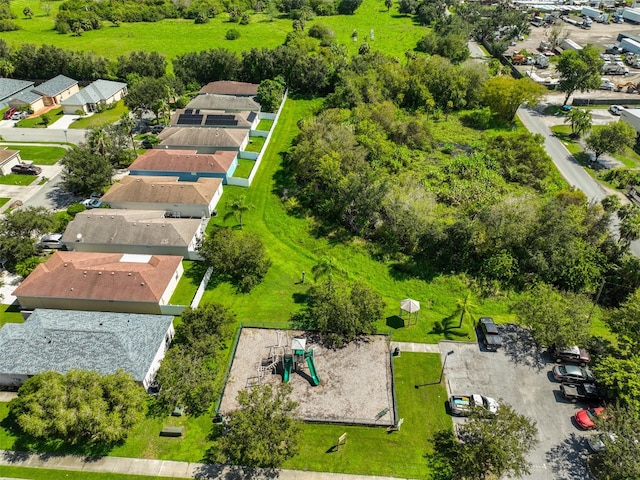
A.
x: 416, y: 347
x: 163, y: 468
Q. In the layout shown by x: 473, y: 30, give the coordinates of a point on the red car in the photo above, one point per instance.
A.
x: 585, y: 418
x: 8, y: 113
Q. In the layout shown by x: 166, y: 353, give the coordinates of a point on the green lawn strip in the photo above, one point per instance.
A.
x: 13, y: 179
x: 394, y: 34
x: 373, y: 451
x: 10, y: 314
x: 49, y: 474
x: 110, y: 115
x: 255, y: 144
x: 265, y: 125
x: 38, y: 154
x: 293, y: 248
x: 3, y: 200
x: 36, y: 122
x: 189, y: 283
x: 244, y: 168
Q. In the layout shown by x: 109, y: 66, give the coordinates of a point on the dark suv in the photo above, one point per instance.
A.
x: 25, y: 169
x: 490, y: 334
x: 572, y: 354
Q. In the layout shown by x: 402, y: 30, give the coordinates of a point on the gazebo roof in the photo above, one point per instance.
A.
x: 409, y: 305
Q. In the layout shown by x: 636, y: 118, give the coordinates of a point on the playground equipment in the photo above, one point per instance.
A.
x: 288, y: 368
x: 312, y: 368
x: 299, y: 354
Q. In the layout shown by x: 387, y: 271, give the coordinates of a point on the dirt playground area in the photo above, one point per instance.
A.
x: 355, y: 381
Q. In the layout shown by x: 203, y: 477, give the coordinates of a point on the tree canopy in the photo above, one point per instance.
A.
x: 579, y: 70
x: 611, y: 138
x: 504, y: 94
x: 79, y: 407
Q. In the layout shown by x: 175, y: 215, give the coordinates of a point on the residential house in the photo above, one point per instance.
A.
x: 29, y: 99
x: 227, y: 87
x: 56, y: 90
x: 179, y: 199
x: 226, y: 103
x: 141, y: 232
x: 8, y: 158
x: 214, y: 118
x: 98, y: 93
x: 10, y: 87
x: 186, y: 165
x: 64, y: 340
x: 104, y: 282
x: 204, y: 140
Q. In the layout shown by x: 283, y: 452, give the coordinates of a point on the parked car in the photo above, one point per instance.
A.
x: 490, y: 334
x: 572, y: 354
x: 616, y: 109
x: 573, y: 374
x: 19, y: 115
x: 157, y: 128
x: 585, y: 418
x: 597, y: 443
x: 26, y: 169
x: 7, y: 115
x: 465, y: 404
x: 92, y: 203
x: 584, y: 392
x: 51, y: 241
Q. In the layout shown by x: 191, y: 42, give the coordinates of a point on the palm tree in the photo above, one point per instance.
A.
x: 464, y: 307
x: 580, y: 121
x: 237, y: 208
x: 629, y: 227
x: 127, y: 123
x: 327, y: 267
x: 99, y: 142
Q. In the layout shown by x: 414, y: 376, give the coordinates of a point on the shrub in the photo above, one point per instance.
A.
x: 8, y: 26
x: 232, y: 34
x: 75, y: 208
x: 27, y: 266
x: 479, y: 118
x: 323, y: 33
x: 201, y: 18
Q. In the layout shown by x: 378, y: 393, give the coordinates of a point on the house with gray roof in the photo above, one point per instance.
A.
x: 64, y: 340
x: 10, y: 87
x: 27, y: 98
x: 143, y: 232
x: 227, y: 103
x: 57, y: 89
x: 100, y: 92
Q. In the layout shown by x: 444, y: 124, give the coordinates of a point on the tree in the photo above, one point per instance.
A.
x: 79, y: 407
x: 487, y: 448
x: 504, y: 94
x: 144, y: 64
x: 236, y: 256
x: 464, y: 307
x: 560, y: 319
x: 580, y: 121
x: 629, y: 228
x: 611, y: 203
x: 327, y: 267
x: 620, y: 378
x: 27, y: 12
x: 85, y: 172
x: 624, y: 321
x: 143, y: 95
x: 127, y: 124
x: 620, y: 458
x: 263, y: 432
x: 206, y: 328
x: 19, y: 230
x: 611, y: 138
x: 237, y: 208
x: 579, y: 70
x: 388, y: 4
x: 270, y: 93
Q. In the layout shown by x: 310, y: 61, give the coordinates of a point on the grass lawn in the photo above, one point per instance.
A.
x: 13, y: 179
x: 374, y: 451
x: 3, y: 201
x: 244, y: 168
x: 10, y: 314
x: 255, y: 144
x: 265, y: 125
x: 110, y: 115
x: 188, y: 284
x: 293, y: 248
x: 394, y: 33
x: 38, y: 154
x: 36, y: 122
x: 47, y: 474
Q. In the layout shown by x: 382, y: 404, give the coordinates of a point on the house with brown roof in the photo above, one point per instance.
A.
x: 226, y: 103
x: 228, y: 87
x: 204, y: 140
x: 104, y: 282
x: 178, y: 199
x: 8, y: 158
x: 140, y: 232
x: 187, y: 165
x: 186, y: 117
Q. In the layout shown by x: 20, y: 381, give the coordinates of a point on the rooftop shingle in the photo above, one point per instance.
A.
x: 184, y: 161
x: 163, y: 190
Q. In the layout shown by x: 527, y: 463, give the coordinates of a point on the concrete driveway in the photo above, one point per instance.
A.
x: 520, y: 375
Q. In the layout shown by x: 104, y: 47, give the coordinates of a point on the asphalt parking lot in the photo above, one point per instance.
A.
x: 519, y: 374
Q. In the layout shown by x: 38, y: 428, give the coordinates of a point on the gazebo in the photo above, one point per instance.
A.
x: 409, y: 308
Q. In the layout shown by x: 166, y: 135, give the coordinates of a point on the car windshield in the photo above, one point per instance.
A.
x: 571, y: 370
x: 592, y: 414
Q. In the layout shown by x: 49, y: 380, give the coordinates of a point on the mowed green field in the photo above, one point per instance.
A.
x: 394, y: 34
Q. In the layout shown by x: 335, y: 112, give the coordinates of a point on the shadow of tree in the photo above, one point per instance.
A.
x: 520, y: 347
x: 568, y: 460
x: 449, y: 328
x: 230, y: 472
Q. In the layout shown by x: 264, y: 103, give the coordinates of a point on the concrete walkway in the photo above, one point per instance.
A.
x: 416, y: 347
x: 162, y: 468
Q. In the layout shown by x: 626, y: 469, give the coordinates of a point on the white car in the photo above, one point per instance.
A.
x: 616, y: 109
x: 464, y: 404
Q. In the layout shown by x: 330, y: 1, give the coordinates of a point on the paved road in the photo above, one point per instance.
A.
x: 42, y: 135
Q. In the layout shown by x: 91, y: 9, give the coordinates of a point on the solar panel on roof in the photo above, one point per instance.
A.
x: 221, y: 122
x: 189, y: 119
x: 221, y: 117
x: 252, y: 116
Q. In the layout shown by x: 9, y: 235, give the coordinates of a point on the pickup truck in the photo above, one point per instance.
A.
x: 585, y: 392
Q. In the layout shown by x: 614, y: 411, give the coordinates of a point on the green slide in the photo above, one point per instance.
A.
x: 288, y: 367
x: 312, y: 368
